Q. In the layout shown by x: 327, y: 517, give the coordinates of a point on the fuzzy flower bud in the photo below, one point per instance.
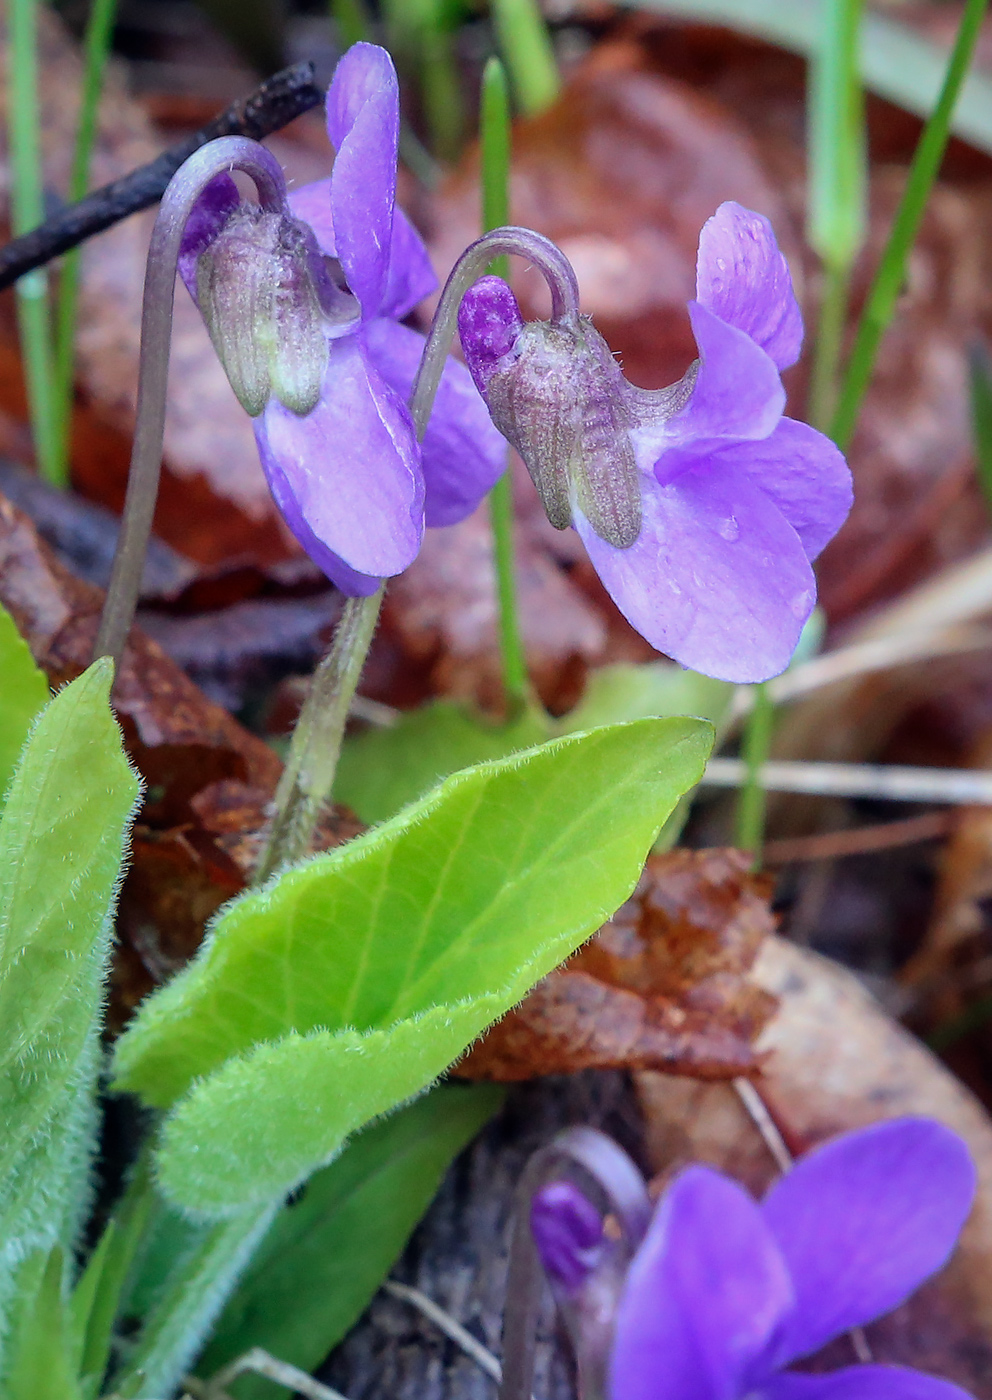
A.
x: 556, y: 393
x: 271, y: 306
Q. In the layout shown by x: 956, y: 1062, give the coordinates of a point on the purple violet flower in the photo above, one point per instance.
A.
x: 723, y: 1293
x: 322, y: 358
x: 700, y: 505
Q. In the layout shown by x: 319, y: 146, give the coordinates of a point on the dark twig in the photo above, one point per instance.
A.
x: 272, y: 105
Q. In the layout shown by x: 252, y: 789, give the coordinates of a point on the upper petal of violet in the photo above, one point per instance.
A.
x: 704, y: 1293
x: 743, y: 278
x: 862, y: 1221
x: 350, y: 469
x: 737, y: 391
x: 363, y: 117
x: 410, y: 276
x: 861, y: 1383
x: 464, y: 454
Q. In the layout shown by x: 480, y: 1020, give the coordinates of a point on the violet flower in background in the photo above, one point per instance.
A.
x: 305, y: 312
x: 700, y: 505
x: 724, y: 1293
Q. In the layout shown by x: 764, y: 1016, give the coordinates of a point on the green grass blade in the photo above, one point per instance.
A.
x: 525, y: 45
x: 881, y: 303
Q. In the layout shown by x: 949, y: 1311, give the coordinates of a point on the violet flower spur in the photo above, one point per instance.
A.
x: 724, y: 1293
x: 700, y: 505
x: 305, y: 311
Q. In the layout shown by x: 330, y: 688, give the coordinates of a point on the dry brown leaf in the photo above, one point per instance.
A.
x: 664, y: 984
x: 832, y: 1060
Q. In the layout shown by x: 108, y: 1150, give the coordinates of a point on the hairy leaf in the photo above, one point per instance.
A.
x: 348, y: 984
x: 61, y: 840
x: 23, y: 691
x: 327, y: 1253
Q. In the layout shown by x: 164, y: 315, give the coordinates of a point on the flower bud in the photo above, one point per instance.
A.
x: 271, y: 306
x: 568, y: 1233
x: 557, y: 395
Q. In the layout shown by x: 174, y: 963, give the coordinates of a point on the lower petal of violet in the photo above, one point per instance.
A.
x: 861, y: 1383
x: 463, y: 453
x: 348, y: 474
x: 718, y: 579
x: 704, y: 1294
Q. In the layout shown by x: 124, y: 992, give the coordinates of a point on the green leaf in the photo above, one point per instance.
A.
x: 980, y: 373
x: 625, y: 691
x: 61, y: 840
x: 23, y: 692
x: 38, y: 1366
x: 347, y: 985
x: 326, y: 1254
x: 383, y: 770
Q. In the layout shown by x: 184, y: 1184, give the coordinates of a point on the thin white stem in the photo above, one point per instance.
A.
x: 259, y: 1363
x: 764, y: 1122
x: 470, y: 1345
x: 891, y: 782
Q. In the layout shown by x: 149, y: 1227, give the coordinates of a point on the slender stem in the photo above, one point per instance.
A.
x: 829, y: 343
x: 185, y: 187
x: 27, y: 210
x: 312, y: 762
x: 891, y: 273
x: 550, y: 261
x: 751, y: 797
x: 495, y: 148
x: 97, y: 45
x: 526, y: 47
x: 308, y: 778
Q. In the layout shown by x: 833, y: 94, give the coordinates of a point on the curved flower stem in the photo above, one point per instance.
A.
x: 622, y: 1187
x: 225, y: 154
x: 550, y: 261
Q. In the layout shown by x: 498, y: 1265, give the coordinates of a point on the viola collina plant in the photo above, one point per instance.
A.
x: 304, y: 307
x: 700, y: 505
x: 712, y: 1295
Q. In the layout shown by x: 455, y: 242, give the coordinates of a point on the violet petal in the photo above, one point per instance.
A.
x: 348, y: 472
x: 861, y: 1383
x: 489, y: 320
x: 705, y: 1292
x: 363, y: 125
x: 410, y: 276
x: 216, y: 203
x: 863, y: 1220
x: 568, y: 1233
x: 737, y: 393
x: 463, y: 453
x: 743, y: 278
x: 799, y: 469
x: 718, y: 579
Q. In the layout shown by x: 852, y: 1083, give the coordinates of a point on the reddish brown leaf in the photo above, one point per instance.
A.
x: 663, y: 985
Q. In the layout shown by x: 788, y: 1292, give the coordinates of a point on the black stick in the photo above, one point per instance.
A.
x: 272, y: 105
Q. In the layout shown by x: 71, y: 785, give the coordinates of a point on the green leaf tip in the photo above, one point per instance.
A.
x: 347, y: 985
